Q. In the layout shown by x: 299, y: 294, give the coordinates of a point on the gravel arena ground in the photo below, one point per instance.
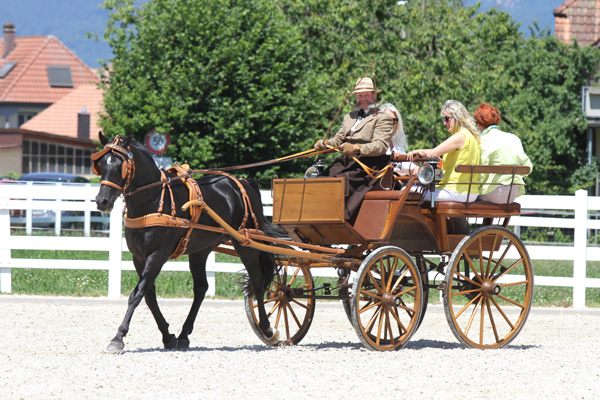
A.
x: 53, y: 348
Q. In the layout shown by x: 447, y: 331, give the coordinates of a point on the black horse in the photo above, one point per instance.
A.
x: 127, y: 168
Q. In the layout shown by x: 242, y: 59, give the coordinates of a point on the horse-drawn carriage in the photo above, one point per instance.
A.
x: 398, y: 250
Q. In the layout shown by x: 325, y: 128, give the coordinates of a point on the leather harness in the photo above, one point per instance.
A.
x: 182, y: 173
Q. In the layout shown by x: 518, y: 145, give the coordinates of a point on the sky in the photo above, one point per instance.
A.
x: 70, y: 20
x: 524, y: 11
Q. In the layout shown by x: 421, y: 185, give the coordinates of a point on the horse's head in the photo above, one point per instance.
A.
x: 115, y: 165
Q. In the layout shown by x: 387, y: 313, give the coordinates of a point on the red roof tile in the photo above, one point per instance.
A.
x: 578, y: 19
x: 61, y: 117
x: 28, y: 81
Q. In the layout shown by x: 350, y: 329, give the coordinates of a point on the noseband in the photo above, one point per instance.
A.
x: 127, y: 169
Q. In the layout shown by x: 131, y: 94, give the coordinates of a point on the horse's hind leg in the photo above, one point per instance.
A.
x: 198, y: 270
x: 260, y: 271
x: 169, y: 340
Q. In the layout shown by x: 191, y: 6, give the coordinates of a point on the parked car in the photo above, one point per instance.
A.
x: 53, y: 177
x: 46, y: 218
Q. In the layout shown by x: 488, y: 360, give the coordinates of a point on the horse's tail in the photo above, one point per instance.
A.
x: 268, y: 266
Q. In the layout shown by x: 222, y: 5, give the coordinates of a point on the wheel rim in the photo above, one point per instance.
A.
x: 289, y: 314
x: 386, y: 299
x: 489, y: 288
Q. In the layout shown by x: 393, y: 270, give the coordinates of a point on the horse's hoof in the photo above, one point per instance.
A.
x: 115, y: 347
x: 172, y: 343
x: 275, y: 338
x: 183, y: 344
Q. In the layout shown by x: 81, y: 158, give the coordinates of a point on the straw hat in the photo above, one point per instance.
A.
x: 364, y: 85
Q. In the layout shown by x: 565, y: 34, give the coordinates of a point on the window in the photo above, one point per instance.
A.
x: 39, y: 156
x: 6, y: 68
x: 59, y: 76
x: 25, y: 116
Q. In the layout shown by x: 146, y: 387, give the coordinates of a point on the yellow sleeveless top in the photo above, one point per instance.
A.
x: 469, y: 154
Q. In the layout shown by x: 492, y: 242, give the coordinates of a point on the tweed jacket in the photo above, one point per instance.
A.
x: 373, y: 132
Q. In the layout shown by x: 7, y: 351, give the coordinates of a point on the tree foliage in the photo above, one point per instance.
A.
x: 235, y: 82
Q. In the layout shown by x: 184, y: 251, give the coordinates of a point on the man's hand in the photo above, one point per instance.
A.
x: 321, y: 145
x: 349, y: 149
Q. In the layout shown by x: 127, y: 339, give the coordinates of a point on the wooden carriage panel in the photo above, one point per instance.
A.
x: 413, y: 232
x: 312, y: 210
x: 309, y: 201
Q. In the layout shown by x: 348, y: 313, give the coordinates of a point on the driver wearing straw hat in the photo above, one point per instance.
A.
x: 365, y: 134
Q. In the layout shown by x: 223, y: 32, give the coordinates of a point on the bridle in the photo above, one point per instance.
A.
x: 127, y: 169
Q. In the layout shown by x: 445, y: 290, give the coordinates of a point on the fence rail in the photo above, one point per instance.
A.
x: 81, y: 198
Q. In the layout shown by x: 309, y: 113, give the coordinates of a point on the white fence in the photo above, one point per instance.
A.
x: 81, y: 198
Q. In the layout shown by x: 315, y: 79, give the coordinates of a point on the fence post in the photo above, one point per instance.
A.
x: 5, y: 276
x: 580, y: 247
x: 115, y: 253
x: 211, y: 265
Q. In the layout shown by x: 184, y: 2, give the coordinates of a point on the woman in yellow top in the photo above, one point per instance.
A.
x: 460, y: 148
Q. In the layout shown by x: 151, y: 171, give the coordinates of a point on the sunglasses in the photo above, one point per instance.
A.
x: 446, y: 119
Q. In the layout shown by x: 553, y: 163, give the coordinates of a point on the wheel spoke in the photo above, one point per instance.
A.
x: 467, y: 306
x: 293, y: 278
x: 519, y: 261
x: 521, y: 305
x: 401, y: 326
x: 503, y: 314
x: 399, y: 280
x: 491, y: 256
x: 369, y: 325
x: 391, y: 274
x: 370, y: 294
x: 374, y: 281
x: 459, y: 275
x: 492, y: 322
x: 473, y: 313
x: 499, y: 262
x: 299, y: 303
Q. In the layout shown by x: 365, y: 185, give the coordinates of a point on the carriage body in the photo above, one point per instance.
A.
x: 488, y: 280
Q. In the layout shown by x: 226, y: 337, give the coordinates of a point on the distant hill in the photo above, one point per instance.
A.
x: 68, y: 20
x: 524, y: 11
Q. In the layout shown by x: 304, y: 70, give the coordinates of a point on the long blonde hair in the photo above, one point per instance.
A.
x: 398, y: 137
x: 461, y: 117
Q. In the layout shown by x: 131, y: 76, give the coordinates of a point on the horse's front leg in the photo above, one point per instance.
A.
x: 198, y: 270
x: 147, y: 271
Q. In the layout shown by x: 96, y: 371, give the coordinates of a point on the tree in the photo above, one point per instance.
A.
x: 223, y: 78
x: 236, y: 82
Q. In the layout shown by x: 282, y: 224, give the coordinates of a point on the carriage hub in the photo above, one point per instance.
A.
x: 489, y: 289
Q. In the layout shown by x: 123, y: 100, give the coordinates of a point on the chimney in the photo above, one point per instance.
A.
x: 83, y: 124
x: 9, y: 39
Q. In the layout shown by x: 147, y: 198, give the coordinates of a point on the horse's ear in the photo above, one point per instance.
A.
x: 103, y: 139
x: 127, y: 140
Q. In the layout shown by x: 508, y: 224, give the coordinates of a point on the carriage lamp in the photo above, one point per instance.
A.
x: 315, y: 170
x: 428, y: 173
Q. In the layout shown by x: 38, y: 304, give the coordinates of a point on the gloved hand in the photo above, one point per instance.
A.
x: 349, y: 149
x: 321, y: 145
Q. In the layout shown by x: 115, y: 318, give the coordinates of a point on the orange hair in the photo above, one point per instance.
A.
x: 486, y: 115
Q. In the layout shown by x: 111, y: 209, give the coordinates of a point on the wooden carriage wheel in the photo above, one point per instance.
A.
x: 488, y: 294
x: 289, y: 314
x: 386, y: 299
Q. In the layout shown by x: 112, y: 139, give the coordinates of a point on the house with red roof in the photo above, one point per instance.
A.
x: 49, y: 104
x: 579, y: 20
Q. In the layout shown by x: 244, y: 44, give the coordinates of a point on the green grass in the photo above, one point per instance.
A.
x: 91, y: 283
